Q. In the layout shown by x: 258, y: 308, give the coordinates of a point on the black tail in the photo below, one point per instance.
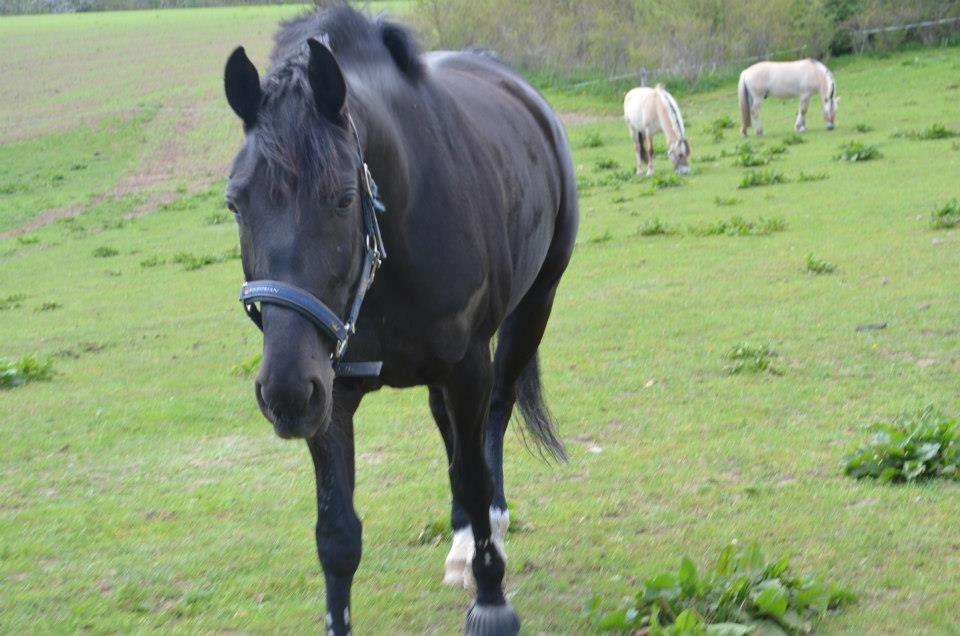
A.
x: 536, y: 415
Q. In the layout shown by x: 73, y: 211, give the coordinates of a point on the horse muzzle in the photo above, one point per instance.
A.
x: 296, y: 410
x: 683, y: 170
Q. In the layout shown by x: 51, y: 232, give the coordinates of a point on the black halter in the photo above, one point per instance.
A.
x: 278, y: 293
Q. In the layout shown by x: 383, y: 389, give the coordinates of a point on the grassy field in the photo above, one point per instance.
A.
x: 141, y: 489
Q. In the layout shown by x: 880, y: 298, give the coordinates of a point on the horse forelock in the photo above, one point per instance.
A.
x: 301, y: 147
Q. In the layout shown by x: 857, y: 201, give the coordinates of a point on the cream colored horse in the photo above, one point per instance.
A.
x: 803, y: 79
x: 648, y: 111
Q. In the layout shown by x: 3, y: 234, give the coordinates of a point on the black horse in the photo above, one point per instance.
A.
x: 480, y: 221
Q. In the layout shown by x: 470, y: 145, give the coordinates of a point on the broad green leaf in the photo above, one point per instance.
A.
x: 688, y: 576
x: 772, y: 600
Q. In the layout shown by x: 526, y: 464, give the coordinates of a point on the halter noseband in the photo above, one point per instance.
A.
x: 279, y: 293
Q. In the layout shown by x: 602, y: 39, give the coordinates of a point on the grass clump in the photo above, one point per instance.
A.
x: 747, y: 358
x: 105, y: 251
x: 863, y: 128
x: 434, y: 533
x: 601, y: 238
x: 591, y: 140
x: 725, y: 201
x: 49, y: 306
x: 12, y: 301
x: 26, y: 239
x: 655, y: 227
x: 717, y: 126
x: 247, y: 368
x: 29, y: 368
x: 192, y: 261
x: 794, y: 139
x: 816, y: 176
x: 217, y: 218
x: 746, y: 156
x: 153, y: 261
x: 935, y: 131
x: 858, y: 151
x: 607, y: 164
x: 661, y: 181
x: 759, y: 178
x: 815, y: 265
x: 913, y: 447
x: 741, y: 594
x: 739, y: 226
x: 946, y: 216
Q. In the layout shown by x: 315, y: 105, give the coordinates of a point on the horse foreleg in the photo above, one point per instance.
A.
x: 801, y: 124
x: 638, y: 148
x: 467, y: 397
x: 338, y: 530
x: 461, y: 551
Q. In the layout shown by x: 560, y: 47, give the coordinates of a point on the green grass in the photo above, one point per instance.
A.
x: 858, y: 151
x: 143, y: 491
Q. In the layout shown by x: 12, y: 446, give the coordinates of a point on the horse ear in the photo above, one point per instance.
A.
x: 326, y: 80
x: 242, y: 85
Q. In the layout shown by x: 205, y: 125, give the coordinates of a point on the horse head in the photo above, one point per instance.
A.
x: 679, y: 153
x: 293, y: 189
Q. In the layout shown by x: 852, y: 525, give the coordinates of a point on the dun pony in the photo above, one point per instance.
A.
x: 803, y: 79
x: 649, y: 111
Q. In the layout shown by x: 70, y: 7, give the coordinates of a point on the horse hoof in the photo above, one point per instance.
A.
x: 492, y: 620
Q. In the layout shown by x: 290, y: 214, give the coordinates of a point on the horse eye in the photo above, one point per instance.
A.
x: 345, y: 202
x: 232, y: 207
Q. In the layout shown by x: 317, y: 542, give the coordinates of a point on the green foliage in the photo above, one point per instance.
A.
x: 591, y: 140
x: 934, y: 131
x: 913, y: 447
x: 816, y: 265
x: 741, y: 594
x: 655, y: 227
x: 858, y: 151
x: 747, y: 156
x: 759, y: 178
x: 105, y: 251
x: 739, y: 226
x: 725, y: 201
x: 668, y: 180
x: 601, y: 238
x: 217, y: 218
x: 49, y: 306
x: 863, y: 128
x: 27, y: 239
x: 194, y: 261
x: 746, y: 358
x: 435, y: 532
x: 794, y: 139
x: 607, y: 164
x: 12, y: 301
x: 29, y: 368
x: 946, y: 216
x: 248, y: 367
x: 153, y: 261
x: 717, y: 126
x: 808, y: 177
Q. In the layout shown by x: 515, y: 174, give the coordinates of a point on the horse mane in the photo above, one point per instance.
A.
x: 829, y: 75
x: 676, y: 121
x: 296, y: 141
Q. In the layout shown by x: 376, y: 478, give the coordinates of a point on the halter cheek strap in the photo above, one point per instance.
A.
x: 300, y: 300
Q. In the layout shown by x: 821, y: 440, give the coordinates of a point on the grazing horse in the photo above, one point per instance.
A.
x: 803, y: 79
x: 648, y: 111
x: 471, y: 228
